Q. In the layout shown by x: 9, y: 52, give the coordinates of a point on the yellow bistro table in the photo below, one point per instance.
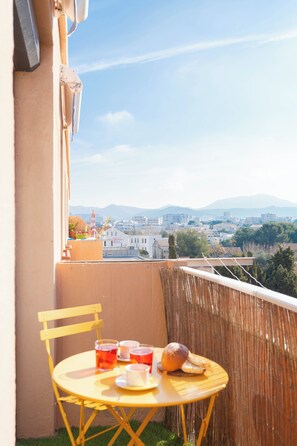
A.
x: 78, y: 376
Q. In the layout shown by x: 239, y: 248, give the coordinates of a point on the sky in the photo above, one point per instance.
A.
x: 185, y: 102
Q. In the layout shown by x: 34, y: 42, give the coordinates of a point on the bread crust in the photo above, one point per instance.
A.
x: 173, y: 356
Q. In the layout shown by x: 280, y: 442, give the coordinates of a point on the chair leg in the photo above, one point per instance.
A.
x: 81, y: 437
x: 68, y: 428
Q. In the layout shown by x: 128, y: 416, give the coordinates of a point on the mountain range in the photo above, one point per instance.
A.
x: 242, y: 207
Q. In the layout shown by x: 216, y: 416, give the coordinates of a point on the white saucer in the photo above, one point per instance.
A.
x: 122, y: 382
x: 120, y: 358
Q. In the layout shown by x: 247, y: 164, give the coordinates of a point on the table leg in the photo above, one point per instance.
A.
x: 206, y: 419
x: 144, y: 423
x: 183, y: 419
x: 124, y: 423
x: 126, y: 417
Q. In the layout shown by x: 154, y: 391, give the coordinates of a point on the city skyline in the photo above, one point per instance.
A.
x: 184, y: 103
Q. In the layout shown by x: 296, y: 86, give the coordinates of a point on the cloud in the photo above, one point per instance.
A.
x: 194, y: 174
x: 278, y: 37
x: 257, y: 39
x: 108, y: 156
x: 117, y: 118
x: 81, y: 143
x: 174, y: 186
x: 97, y: 158
x: 123, y: 148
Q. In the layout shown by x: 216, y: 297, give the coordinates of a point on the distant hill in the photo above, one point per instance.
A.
x: 114, y: 211
x: 250, y: 202
x: 241, y: 207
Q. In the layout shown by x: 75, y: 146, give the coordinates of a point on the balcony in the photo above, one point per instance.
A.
x: 250, y: 331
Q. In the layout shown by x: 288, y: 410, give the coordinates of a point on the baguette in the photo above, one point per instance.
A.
x: 198, y: 361
x: 189, y: 367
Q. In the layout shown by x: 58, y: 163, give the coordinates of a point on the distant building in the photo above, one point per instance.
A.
x: 125, y: 252
x: 114, y: 238
x: 125, y: 225
x: 227, y: 227
x: 139, y: 219
x: 161, y: 248
x: 170, y: 219
x: 265, y: 218
x: 227, y: 215
x: 144, y: 242
x: 252, y: 220
x: 158, y: 221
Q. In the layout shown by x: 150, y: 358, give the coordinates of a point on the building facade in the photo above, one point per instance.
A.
x: 35, y: 128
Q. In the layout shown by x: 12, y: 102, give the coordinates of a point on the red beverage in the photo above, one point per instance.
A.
x: 106, y: 354
x: 142, y: 355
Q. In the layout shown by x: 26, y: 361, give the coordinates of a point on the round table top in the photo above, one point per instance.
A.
x: 78, y: 376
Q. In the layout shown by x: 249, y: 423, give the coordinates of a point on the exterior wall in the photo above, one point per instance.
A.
x: 86, y: 249
x: 7, y: 255
x: 132, y: 304
x: 130, y: 293
x: 40, y: 220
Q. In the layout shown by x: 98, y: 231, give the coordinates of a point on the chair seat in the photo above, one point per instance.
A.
x: 87, y: 403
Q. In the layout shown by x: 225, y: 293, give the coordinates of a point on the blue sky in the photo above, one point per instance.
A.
x: 185, y: 102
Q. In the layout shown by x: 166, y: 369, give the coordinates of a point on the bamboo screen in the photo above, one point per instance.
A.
x: 256, y: 343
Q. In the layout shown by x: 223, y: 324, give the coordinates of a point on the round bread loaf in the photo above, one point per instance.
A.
x: 173, y: 356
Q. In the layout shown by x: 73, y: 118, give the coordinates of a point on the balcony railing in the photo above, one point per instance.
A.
x: 252, y: 333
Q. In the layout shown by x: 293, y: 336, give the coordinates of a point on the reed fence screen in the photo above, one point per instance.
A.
x: 256, y: 343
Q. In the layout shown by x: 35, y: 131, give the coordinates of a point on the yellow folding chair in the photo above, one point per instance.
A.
x: 47, y: 334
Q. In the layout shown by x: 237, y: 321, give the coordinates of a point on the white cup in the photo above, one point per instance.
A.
x: 125, y: 347
x: 137, y: 375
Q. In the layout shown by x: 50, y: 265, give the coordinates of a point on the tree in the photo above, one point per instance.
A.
x: 243, y: 236
x: 280, y: 275
x: 172, y: 248
x: 236, y: 270
x: 191, y: 244
x: 217, y: 250
x: 268, y: 235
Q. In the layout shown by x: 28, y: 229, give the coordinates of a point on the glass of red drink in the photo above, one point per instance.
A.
x: 142, y: 355
x: 106, y: 354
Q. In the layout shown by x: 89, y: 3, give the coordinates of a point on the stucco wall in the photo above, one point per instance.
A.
x: 38, y: 228
x: 86, y: 249
x: 131, y: 297
x: 7, y: 230
x: 130, y: 293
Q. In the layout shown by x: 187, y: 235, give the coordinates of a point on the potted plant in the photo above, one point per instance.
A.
x: 72, y: 231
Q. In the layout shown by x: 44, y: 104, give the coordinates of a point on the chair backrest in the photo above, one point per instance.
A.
x: 46, y: 334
